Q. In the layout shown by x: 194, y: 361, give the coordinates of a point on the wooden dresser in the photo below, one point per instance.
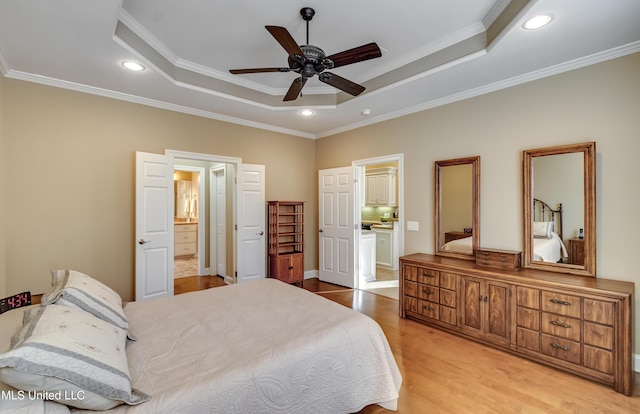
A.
x: 578, y: 324
x: 185, y: 239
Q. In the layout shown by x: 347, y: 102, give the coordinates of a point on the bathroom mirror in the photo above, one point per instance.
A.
x: 458, y: 207
x: 559, y: 209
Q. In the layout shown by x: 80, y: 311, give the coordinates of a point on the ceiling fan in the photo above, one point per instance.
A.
x: 309, y: 60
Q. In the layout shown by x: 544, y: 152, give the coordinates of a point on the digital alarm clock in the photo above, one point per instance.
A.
x: 15, y: 301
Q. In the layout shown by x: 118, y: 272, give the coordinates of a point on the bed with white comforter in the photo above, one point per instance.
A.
x: 262, y: 346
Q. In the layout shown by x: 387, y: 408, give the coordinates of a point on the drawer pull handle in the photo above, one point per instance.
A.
x: 560, y: 302
x: 563, y: 325
x: 427, y: 291
x: 564, y: 348
x: 429, y: 308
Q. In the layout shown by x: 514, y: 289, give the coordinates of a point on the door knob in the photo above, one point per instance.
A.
x: 143, y: 241
x: 320, y: 230
x: 260, y: 234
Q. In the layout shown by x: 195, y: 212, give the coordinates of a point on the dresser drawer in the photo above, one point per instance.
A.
x: 410, y: 273
x: 428, y: 292
x: 598, y: 311
x: 178, y: 228
x: 528, y: 339
x: 448, y: 315
x: 410, y: 304
x: 411, y: 289
x: 182, y: 249
x: 429, y: 309
x: 189, y: 237
x: 504, y: 259
x: 448, y: 298
x: 528, y: 318
x: 448, y: 281
x: 562, y: 326
x: 528, y: 297
x: 429, y: 277
x: 598, y: 335
x: 561, y: 304
x: 560, y: 348
x: 598, y: 359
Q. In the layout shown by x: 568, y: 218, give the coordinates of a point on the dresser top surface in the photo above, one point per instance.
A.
x: 522, y: 275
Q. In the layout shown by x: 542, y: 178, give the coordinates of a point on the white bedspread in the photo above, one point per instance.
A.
x: 258, y: 347
x: 549, y: 250
x: 464, y: 245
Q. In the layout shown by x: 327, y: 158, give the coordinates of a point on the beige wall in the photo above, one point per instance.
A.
x: 3, y: 267
x: 598, y: 103
x: 69, y: 162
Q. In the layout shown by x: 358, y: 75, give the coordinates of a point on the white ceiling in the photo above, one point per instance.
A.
x: 434, y: 52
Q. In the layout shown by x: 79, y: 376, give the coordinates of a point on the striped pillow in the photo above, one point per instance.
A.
x: 77, y: 290
x: 72, y: 357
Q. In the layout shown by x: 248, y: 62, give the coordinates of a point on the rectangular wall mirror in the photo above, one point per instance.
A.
x: 559, y: 209
x: 458, y: 207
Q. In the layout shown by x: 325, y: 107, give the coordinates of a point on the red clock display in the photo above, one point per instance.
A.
x: 15, y: 301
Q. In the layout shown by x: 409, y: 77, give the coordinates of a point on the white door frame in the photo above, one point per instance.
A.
x: 217, y: 254
x: 201, y: 210
x: 235, y: 162
x: 359, y: 197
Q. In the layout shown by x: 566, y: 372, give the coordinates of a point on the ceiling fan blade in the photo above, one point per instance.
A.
x: 294, y: 89
x: 341, y: 83
x: 258, y: 70
x: 357, y: 54
x: 285, y: 39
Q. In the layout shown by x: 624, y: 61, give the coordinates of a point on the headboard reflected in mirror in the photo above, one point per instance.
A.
x: 559, y: 209
x: 458, y: 207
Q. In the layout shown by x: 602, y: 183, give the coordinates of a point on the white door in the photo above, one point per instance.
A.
x: 154, y: 225
x: 336, y: 226
x: 252, y: 262
x: 218, y: 220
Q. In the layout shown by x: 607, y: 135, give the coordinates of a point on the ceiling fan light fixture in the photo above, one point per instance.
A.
x: 536, y: 22
x: 306, y: 112
x: 133, y: 66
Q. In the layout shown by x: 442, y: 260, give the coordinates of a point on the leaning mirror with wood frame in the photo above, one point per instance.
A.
x: 559, y: 209
x: 458, y: 207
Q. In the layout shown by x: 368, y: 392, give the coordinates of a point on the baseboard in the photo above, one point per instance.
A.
x: 636, y: 362
x: 310, y: 274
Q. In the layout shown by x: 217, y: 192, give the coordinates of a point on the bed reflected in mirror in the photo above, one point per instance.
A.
x: 458, y: 207
x: 559, y: 209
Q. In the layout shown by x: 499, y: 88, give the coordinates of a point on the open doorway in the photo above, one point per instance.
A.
x: 379, y: 207
x: 204, y: 243
x: 188, y: 221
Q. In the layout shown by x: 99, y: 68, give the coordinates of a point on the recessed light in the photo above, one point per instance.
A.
x: 537, y: 22
x: 306, y: 112
x: 366, y: 112
x: 134, y: 66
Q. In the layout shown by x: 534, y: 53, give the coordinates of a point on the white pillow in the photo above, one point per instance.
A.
x: 77, y: 290
x: 71, y: 356
x: 542, y: 228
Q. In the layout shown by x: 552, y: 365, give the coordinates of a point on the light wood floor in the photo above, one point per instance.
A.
x: 443, y: 373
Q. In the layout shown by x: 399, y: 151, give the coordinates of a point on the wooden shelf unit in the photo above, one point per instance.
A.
x: 286, y: 240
